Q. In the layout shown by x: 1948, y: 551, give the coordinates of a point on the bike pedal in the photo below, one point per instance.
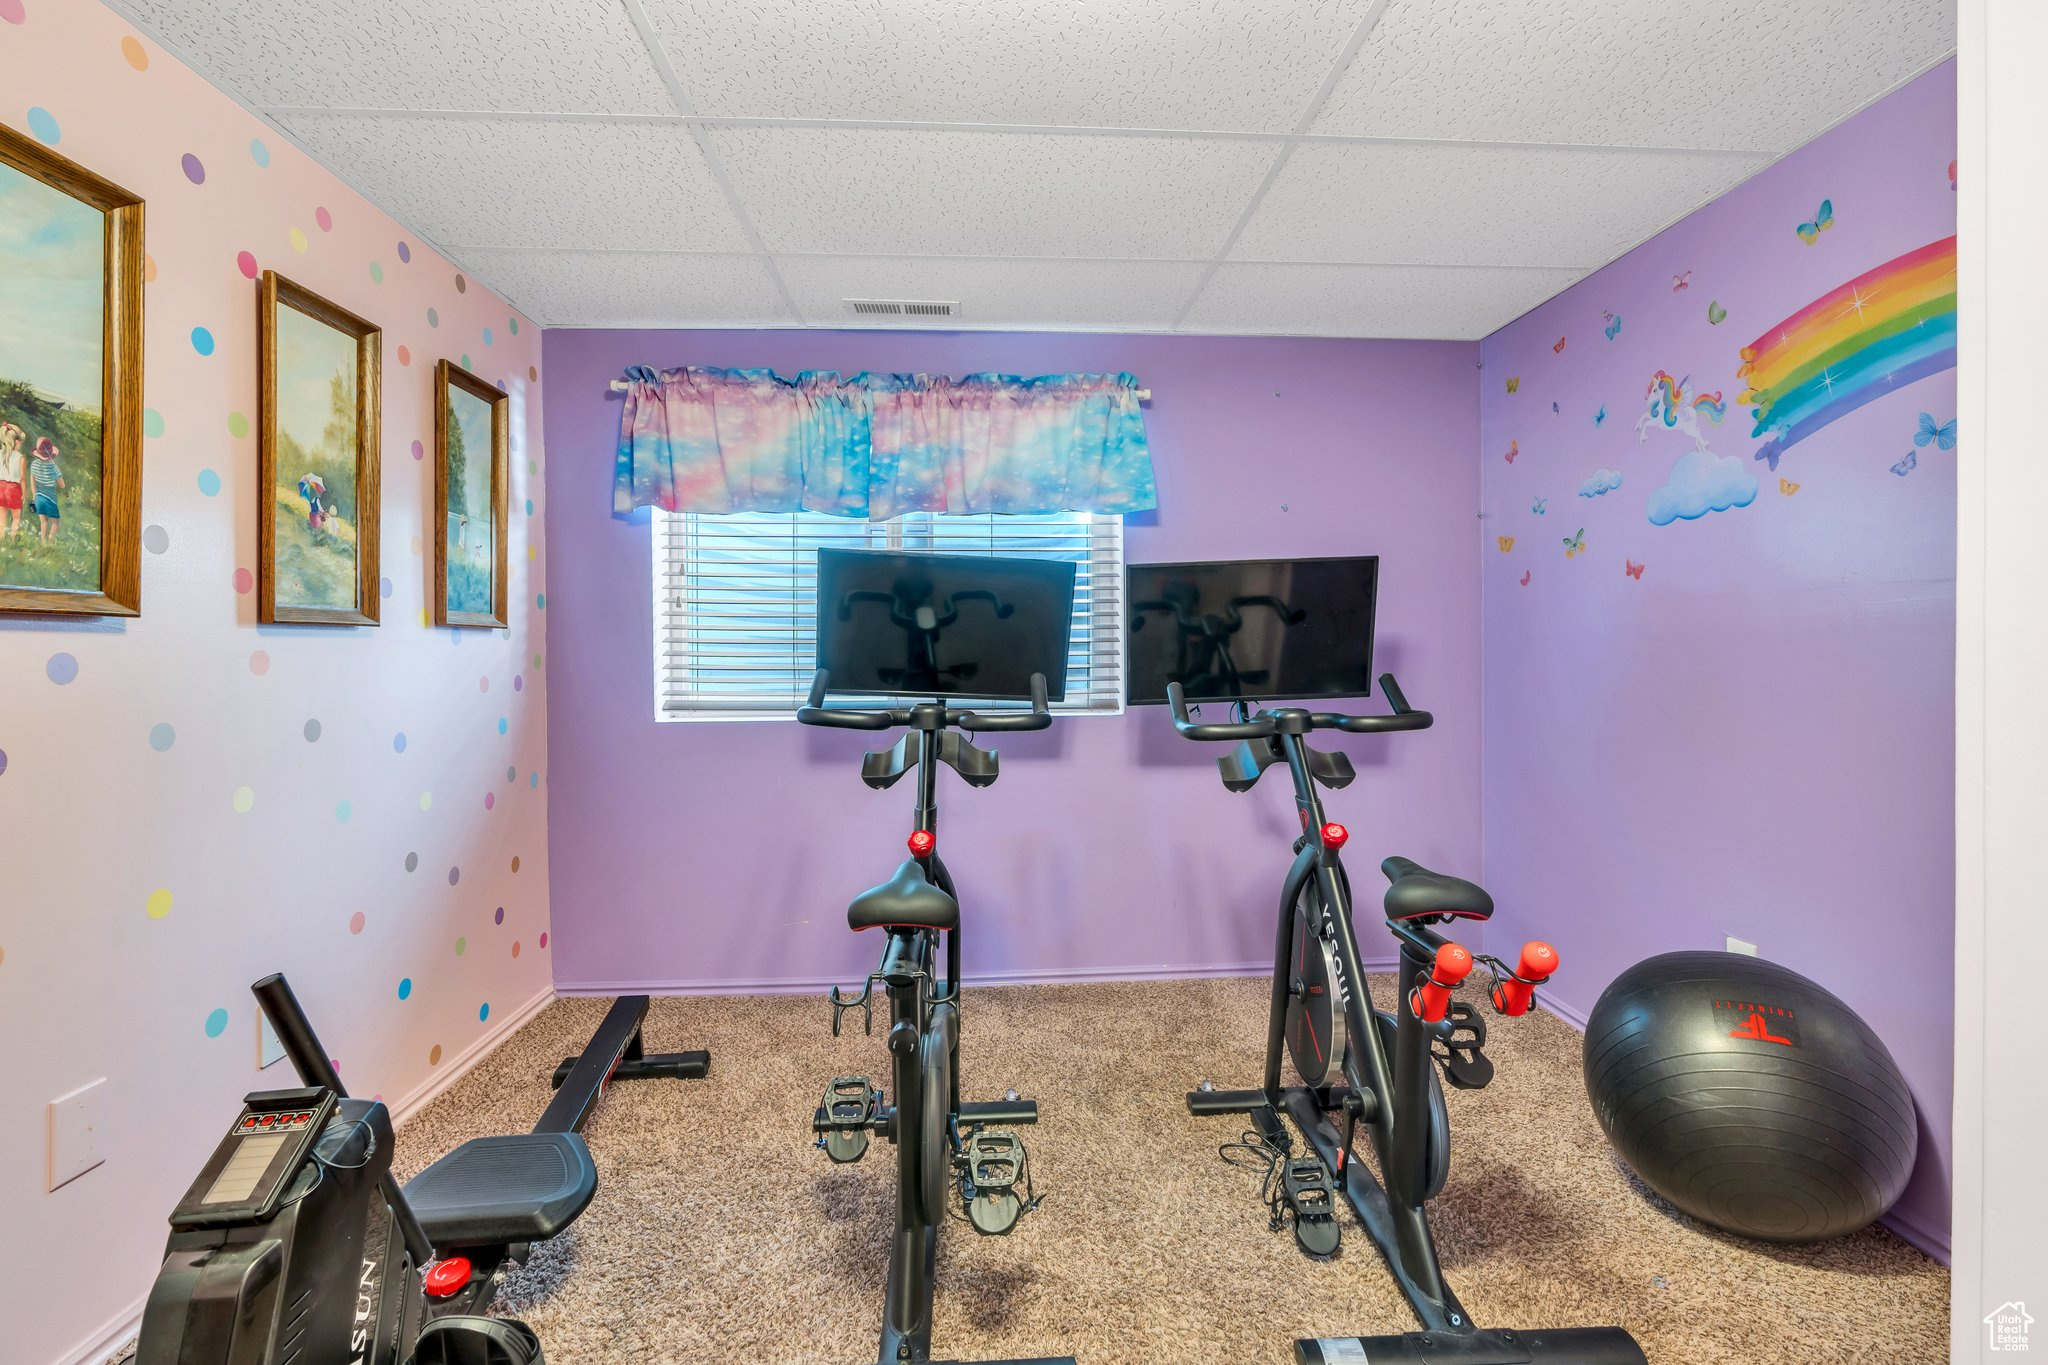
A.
x: 1312, y: 1196
x: 1463, y: 1036
x: 845, y: 1116
x: 994, y: 1164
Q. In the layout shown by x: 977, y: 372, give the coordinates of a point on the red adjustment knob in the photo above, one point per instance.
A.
x: 1334, y: 835
x: 446, y: 1279
x: 922, y: 842
x: 1539, y: 962
x: 1433, y: 997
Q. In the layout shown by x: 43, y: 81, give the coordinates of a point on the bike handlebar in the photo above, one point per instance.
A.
x: 815, y: 712
x: 1266, y: 724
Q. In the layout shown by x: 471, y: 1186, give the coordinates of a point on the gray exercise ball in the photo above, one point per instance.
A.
x: 1750, y: 1097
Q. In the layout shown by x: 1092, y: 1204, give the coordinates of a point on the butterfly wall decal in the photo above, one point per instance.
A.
x: 1515, y: 384
x: 1787, y: 487
x: 1574, y: 544
x: 1716, y: 314
x: 1943, y: 435
x: 1681, y: 283
x: 1632, y: 569
x: 1507, y: 543
x: 1525, y: 578
x: 1559, y: 348
x: 1822, y: 221
x: 1600, y: 417
x: 1613, y: 328
x: 1514, y: 449
x: 1909, y: 464
x: 1540, y: 506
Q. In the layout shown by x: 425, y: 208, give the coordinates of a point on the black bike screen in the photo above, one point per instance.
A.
x: 1256, y: 630
x: 943, y: 625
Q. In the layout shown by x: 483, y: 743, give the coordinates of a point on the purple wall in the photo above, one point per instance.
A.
x: 722, y: 854
x: 1754, y: 737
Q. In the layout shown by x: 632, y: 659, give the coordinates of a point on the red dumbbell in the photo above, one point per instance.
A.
x: 1539, y: 962
x: 1433, y: 997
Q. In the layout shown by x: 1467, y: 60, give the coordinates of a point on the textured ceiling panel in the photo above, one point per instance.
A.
x: 869, y: 193
x: 634, y: 289
x: 1427, y: 204
x: 1370, y: 300
x: 1083, y: 63
x: 1760, y: 75
x: 566, y: 56
x: 515, y: 182
x: 1145, y: 295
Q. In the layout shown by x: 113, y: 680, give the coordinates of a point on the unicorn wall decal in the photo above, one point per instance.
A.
x: 1679, y: 408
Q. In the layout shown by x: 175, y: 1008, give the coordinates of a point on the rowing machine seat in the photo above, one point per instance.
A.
x: 500, y: 1191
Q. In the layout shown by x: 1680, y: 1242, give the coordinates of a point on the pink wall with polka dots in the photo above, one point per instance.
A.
x: 189, y: 800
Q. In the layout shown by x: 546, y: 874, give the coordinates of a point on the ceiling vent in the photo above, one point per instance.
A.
x: 902, y: 308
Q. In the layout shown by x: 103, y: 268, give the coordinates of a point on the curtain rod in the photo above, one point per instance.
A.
x: 620, y: 386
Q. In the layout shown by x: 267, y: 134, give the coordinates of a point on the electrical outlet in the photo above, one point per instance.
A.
x: 1743, y: 946
x: 77, y: 1137
x: 269, y: 1051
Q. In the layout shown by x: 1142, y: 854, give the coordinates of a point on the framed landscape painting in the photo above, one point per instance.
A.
x: 70, y: 387
x: 470, y: 470
x: 318, y: 373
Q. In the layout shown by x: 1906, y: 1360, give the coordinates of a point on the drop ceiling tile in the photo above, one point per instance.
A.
x: 1431, y: 204
x: 994, y: 293
x: 567, y: 56
x: 1744, y: 74
x: 1077, y: 63
x: 873, y: 192
x: 1418, y: 302
x: 634, y: 289
x: 531, y: 183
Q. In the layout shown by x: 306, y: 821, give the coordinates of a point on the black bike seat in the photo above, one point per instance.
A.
x: 1417, y: 892
x: 907, y: 901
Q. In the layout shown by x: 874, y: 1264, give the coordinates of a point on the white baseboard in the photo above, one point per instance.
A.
x: 1569, y: 1013
x: 1047, y: 976
x: 108, y: 1341
x: 460, y: 1064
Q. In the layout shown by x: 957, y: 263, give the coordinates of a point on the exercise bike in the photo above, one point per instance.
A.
x: 296, y: 1245
x: 948, y: 1154
x: 1366, y: 1067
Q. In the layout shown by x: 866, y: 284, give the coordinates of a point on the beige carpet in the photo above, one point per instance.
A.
x: 719, y: 1233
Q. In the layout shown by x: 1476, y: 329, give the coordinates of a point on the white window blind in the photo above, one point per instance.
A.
x: 735, y: 601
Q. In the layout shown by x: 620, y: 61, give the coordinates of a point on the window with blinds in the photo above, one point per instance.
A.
x: 735, y: 601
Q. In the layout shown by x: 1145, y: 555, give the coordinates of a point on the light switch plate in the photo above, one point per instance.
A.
x: 1743, y: 946
x: 77, y: 1132
x: 269, y: 1051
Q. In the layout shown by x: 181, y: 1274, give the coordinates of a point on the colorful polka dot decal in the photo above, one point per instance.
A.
x: 433, y: 317
x: 499, y: 918
x: 216, y: 1023
x: 405, y: 989
x: 356, y: 922
x: 194, y: 171
x: 202, y: 341
x: 419, y: 451
x: 454, y: 875
x: 426, y: 800
x: 259, y: 663
x: 44, y: 125
x: 543, y: 938
x: 377, y: 274
x: 405, y: 355
x: 297, y: 238
x: 461, y: 946
x: 515, y: 864
x: 404, y: 252
x: 152, y: 423
x: 490, y: 800
x: 61, y: 669
x: 238, y: 425
x: 412, y: 862
x: 159, y: 903
x: 398, y: 742
x: 461, y: 285
x: 134, y: 53
x: 259, y: 153
x: 156, y: 539
x: 323, y: 220
x: 246, y: 263
x: 245, y: 582
x: 244, y: 800
x: 162, y: 736
x: 434, y: 1055
x: 343, y: 810
x: 209, y: 482
x: 483, y: 1012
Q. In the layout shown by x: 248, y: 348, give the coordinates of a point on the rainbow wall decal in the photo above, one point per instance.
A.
x: 1880, y: 331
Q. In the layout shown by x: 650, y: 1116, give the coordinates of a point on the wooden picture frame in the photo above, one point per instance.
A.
x: 299, y: 567
x: 118, y: 591
x: 463, y: 606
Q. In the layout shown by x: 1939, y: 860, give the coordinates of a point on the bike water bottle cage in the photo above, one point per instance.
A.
x: 1417, y: 893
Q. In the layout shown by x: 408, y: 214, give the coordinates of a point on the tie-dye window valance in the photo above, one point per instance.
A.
x: 879, y: 445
